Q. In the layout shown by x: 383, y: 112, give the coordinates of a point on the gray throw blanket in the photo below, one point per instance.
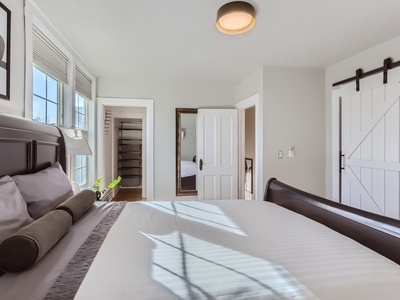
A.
x: 67, y: 284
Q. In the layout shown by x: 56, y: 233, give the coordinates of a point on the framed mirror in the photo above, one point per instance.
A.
x: 186, y: 165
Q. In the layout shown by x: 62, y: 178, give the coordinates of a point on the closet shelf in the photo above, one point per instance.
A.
x: 131, y: 129
x: 129, y: 159
x: 130, y: 153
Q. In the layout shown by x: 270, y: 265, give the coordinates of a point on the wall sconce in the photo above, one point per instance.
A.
x: 75, y: 144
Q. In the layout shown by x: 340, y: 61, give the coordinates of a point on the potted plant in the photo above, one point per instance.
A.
x: 98, y: 187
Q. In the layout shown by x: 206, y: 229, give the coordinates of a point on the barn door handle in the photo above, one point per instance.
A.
x: 201, y: 164
x: 342, y: 162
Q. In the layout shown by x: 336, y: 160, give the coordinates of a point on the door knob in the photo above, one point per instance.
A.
x: 201, y: 164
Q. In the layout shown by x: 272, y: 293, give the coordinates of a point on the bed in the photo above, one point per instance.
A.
x: 188, y: 175
x: 293, y: 245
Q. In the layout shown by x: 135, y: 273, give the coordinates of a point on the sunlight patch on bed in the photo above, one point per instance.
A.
x: 204, y: 213
x: 195, y: 269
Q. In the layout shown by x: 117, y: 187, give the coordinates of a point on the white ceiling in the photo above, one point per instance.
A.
x: 176, y: 40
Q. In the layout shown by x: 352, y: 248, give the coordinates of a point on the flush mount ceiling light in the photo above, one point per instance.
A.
x: 235, y: 17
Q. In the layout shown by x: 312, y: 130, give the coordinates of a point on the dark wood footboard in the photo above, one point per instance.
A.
x: 379, y: 233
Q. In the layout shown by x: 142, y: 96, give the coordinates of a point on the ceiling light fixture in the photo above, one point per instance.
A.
x: 235, y: 17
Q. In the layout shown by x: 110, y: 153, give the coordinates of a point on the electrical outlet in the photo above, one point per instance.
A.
x: 280, y: 154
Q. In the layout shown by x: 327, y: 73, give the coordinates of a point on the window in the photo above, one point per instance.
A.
x: 81, y: 121
x: 59, y: 85
x: 80, y: 112
x: 80, y: 169
x: 46, y: 106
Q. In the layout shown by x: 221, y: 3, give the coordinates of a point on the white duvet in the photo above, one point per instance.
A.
x: 232, y: 250
x: 225, y: 249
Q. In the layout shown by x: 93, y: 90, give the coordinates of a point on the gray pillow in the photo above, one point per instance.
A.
x: 44, y: 190
x: 27, y: 246
x: 13, y: 211
x: 79, y: 204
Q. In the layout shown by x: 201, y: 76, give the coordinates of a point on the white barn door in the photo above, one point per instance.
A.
x: 217, y: 154
x: 370, y: 137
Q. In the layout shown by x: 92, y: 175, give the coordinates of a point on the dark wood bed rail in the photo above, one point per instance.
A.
x: 379, y: 233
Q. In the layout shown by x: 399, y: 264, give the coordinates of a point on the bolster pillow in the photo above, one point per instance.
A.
x: 27, y: 246
x: 78, y: 204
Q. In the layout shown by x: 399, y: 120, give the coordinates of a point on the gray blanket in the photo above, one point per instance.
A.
x: 67, y: 284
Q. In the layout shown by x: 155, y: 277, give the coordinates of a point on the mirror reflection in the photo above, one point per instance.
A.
x: 186, y: 167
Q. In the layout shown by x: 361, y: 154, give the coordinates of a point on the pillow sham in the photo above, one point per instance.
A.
x: 27, y: 246
x: 44, y: 190
x: 13, y: 211
x: 78, y: 204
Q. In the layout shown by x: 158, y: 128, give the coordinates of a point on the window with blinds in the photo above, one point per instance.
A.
x: 48, y: 57
x: 50, y: 72
x: 57, y: 100
x: 83, y: 87
x: 83, y: 84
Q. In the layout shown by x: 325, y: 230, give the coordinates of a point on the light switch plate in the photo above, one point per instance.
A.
x: 291, y: 151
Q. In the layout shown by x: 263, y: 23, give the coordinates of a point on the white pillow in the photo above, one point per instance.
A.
x: 44, y: 190
x: 13, y: 212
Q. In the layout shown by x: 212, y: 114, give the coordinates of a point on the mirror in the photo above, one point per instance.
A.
x: 186, y: 167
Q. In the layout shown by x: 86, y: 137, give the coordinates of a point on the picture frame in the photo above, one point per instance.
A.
x: 248, y: 167
x: 5, y: 51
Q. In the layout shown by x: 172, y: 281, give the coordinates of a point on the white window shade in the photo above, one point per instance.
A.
x: 48, y: 57
x: 83, y: 84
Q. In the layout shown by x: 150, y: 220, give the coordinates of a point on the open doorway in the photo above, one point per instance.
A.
x: 139, y: 171
x: 249, y: 152
x: 250, y: 148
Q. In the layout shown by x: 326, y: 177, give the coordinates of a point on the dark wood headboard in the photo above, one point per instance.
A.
x: 379, y: 233
x: 27, y: 146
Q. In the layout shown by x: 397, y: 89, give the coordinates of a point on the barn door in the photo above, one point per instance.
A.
x: 217, y: 154
x: 370, y: 146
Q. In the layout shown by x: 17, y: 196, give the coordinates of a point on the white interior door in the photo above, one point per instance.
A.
x: 370, y: 146
x: 217, y: 154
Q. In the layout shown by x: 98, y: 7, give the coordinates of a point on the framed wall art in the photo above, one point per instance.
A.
x: 5, y: 36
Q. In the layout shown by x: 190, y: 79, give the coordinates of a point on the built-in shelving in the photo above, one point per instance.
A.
x: 130, y: 153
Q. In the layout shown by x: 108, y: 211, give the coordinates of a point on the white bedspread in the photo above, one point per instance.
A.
x: 188, y: 168
x: 232, y: 250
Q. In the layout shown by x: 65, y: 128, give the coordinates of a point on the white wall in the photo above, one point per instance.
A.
x: 167, y: 97
x: 294, y: 116
x: 250, y: 85
x: 16, y: 104
x: 367, y: 60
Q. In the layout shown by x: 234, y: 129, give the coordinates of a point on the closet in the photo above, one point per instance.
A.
x: 130, y: 153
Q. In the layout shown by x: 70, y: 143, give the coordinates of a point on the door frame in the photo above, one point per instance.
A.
x: 252, y: 101
x: 125, y: 102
